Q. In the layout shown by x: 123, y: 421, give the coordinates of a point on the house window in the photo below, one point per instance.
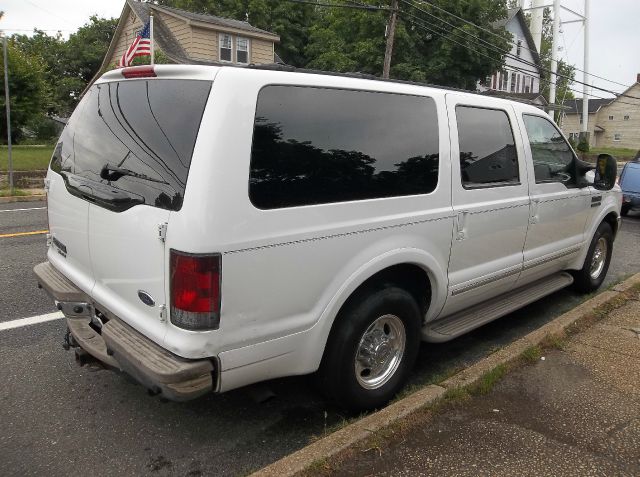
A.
x: 527, y: 84
x: 610, y: 118
x: 617, y: 137
x: 519, y: 47
x: 504, y: 80
x: 513, y: 82
x: 226, y: 47
x: 242, y: 50
x: 518, y: 83
x: 626, y: 117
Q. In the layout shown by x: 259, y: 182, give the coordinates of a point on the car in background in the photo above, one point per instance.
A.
x: 630, y: 184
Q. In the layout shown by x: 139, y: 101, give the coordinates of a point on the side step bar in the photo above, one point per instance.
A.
x: 464, y: 321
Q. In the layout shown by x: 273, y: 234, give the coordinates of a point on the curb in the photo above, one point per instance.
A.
x: 360, y: 430
x: 23, y: 198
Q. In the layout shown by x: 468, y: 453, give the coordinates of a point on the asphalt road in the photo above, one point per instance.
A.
x: 59, y: 419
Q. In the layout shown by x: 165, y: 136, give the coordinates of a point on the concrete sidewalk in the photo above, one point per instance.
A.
x: 575, y: 411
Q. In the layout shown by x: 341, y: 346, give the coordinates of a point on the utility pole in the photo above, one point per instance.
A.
x: 537, y: 14
x: 391, y: 33
x: 585, y: 90
x: 554, y: 55
x: 8, y: 107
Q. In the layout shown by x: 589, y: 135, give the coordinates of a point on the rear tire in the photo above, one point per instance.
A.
x: 371, y: 349
x: 596, y: 264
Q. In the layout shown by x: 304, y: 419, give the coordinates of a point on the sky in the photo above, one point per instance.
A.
x: 614, y: 32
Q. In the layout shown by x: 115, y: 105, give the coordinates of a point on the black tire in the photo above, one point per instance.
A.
x: 625, y: 210
x: 584, y: 282
x: 337, y: 375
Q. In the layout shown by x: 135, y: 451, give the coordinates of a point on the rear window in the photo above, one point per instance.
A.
x: 131, y: 142
x: 320, y: 145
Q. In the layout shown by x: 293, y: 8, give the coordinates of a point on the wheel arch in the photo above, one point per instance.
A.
x: 399, y: 267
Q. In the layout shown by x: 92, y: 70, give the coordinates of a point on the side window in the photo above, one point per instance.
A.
x: 320, y: 145
x: 552, y: 157
x: 488, y: 155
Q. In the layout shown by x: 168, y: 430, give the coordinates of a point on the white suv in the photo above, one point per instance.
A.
x: 214, y: 227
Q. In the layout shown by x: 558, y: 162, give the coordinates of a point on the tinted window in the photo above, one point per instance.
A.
x: 314, y: 146
x: 487, y: 150
x: 552, y: 156
x: 132, y: 140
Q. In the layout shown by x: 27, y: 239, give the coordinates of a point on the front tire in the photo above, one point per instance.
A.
x: 371, y: 349
x: 596, y: 264
x: 625, y: 210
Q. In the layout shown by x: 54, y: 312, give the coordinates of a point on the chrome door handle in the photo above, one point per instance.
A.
x: 461, y: 225
x: 533, y: 217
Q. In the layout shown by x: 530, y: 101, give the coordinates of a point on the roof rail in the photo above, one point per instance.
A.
x: 359, y: 75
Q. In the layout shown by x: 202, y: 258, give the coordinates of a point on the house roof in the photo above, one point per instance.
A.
x: 518, y: 14
x: 536, y: 99
x: 214, y: 20
x: 574, y: 106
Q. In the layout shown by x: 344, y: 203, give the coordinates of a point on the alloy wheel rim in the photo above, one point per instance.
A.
x: 599, y: 258
x: 380, y: 351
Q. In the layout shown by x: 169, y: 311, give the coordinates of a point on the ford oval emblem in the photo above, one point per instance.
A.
x: 146, y: 298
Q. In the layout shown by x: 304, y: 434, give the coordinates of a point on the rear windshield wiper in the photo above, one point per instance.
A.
x: 111, y: 173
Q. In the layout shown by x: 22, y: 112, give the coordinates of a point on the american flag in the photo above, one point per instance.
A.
x: 141, y: 46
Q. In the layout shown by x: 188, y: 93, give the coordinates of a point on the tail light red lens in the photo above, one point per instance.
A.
x: 144, y: 71
x: 195, y: 290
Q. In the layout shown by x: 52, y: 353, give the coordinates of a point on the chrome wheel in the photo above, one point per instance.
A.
x: 599, y: 258
x: 380, y: 351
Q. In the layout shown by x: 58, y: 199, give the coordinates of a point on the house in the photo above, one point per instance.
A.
x: 187, y: 37
x: 613, y: 122
x: 517, y: 80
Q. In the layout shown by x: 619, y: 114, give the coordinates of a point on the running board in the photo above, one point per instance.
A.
x: 464, y: 321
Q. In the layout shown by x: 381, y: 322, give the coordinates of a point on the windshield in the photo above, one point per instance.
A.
x: 130, y: 142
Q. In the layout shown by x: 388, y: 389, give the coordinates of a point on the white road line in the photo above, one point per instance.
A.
x: 19, y: 210
x: 32, y: 320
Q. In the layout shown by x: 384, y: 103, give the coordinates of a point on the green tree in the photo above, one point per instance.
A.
x: 27, y: 88
x: 70, y: 64
x: 426, y: 47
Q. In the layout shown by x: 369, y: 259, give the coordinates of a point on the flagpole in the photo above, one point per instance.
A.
x: 151, y: 35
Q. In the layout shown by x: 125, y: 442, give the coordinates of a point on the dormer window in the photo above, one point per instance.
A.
x: 242, y: 50
x: 226, y: 47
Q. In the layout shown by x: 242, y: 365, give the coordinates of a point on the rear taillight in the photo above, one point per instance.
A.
x: 144, y: 71
x: 195, y: 290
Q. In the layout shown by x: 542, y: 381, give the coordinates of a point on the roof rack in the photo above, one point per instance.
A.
x: 358, y: 75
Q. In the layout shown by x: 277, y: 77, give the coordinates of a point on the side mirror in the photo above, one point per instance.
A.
x: 606, y: 172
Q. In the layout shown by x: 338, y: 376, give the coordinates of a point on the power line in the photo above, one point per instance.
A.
x: 521, y: 70
x: 354, y: 5
x: 497, y: 48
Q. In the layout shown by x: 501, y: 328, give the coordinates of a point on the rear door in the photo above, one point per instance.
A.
x: 490, y: 199
x: 133, y: 147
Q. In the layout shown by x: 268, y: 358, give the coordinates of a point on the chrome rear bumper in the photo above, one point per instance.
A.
x: 119, y: 346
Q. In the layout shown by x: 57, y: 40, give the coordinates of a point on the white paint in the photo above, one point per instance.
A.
x: 32, y: 320
x: 22, y: 210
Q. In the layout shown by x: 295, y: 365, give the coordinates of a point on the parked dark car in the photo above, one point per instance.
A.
x: 630, y: 184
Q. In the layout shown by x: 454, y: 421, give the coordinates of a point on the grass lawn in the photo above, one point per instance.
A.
x: 26, y: 158
x: 619, y: 153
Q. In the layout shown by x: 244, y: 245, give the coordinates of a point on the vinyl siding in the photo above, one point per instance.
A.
x: 179, y: 28
x: 204, y: 45
x: 630, y: 130
x: 571, y: 124
x: 126, y: 38
x: 261, y: 51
